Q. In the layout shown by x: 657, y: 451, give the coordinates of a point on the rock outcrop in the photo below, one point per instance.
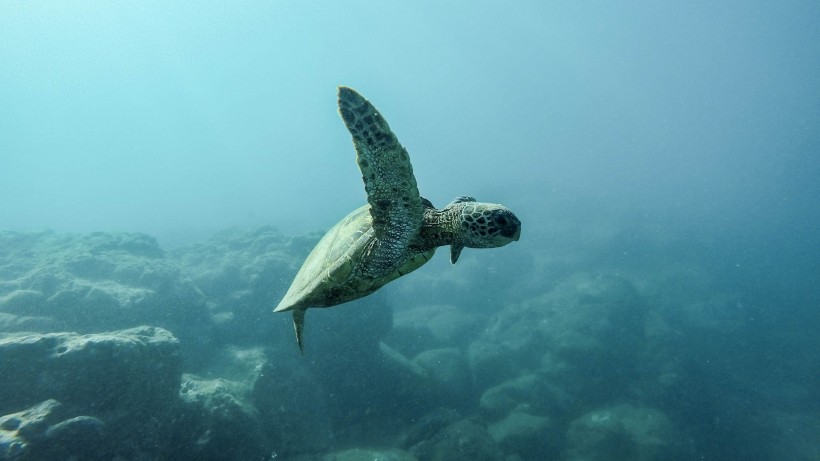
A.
x: 96, y: 282
x: 67, y: 392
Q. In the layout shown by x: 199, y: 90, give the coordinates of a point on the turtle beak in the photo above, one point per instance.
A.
x: 512, y: 228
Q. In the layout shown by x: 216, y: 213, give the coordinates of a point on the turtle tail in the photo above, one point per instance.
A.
x: 299, y: 326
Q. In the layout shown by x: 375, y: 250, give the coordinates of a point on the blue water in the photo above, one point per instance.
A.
x: 661, y: 157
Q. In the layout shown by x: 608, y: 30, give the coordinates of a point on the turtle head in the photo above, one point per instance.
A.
x: 482, y: 225
x: 487, y: 225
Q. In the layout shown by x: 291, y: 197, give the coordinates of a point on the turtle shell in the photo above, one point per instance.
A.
x: 333, y: 272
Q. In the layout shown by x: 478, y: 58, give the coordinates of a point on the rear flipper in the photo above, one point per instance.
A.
x: 299, y: 325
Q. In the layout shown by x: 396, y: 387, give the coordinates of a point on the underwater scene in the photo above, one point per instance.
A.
x: 519, y: 231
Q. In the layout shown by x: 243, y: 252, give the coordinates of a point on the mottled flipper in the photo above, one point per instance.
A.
x: 395, y: 204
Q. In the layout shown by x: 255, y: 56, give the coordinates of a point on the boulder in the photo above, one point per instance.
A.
x: 532, y: 393
x: 40, y: 432
x: 450, y: 372
x: 368, y: 392
x: 96, y: 282
x: 243, y: 274
x: 433, y: 326
x: 127, y: 380
x: 18, y: 431
x: 590, y: 328
x: 464, y: 440
x: 292, y: 407
x: 429, y: 425
x: 10, y: 323
x: 491, y: 363
x: 98, y: 372
x: 80, y: 437
x: 364, y: 454
x: 624, y: 431
x: 531, y: 437
x: 217, y: 421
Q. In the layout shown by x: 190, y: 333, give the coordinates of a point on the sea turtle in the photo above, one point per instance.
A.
x: 396, y: 232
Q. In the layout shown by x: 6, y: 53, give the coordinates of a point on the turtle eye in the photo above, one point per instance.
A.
x: 500, y: 220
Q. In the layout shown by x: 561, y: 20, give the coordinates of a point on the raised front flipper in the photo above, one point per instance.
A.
x: 395, y: 204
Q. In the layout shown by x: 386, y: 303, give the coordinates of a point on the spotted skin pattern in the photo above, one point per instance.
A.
x: 397, y: 232
x: 395, y: 204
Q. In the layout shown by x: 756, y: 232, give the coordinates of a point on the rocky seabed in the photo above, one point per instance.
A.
x: 112, y: 348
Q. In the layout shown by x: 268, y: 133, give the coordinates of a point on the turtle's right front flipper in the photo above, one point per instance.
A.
x: 395, y: 204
